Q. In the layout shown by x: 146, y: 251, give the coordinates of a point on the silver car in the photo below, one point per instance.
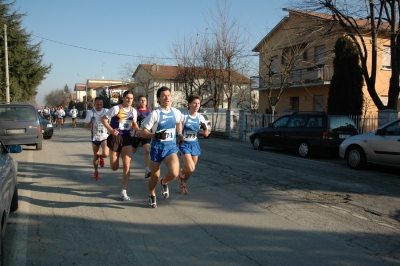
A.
x: 8, y: 188
x: 379, y: 147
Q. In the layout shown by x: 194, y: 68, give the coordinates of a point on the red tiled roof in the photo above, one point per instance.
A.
x: 80, y: 87
x: 161, y: 72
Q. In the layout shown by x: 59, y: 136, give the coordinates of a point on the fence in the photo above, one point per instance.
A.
x: 240, y: 123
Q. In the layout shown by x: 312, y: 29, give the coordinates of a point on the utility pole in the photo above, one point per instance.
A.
x: 6, y: 66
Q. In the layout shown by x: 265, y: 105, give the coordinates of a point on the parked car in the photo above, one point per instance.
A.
x: 47, y: 127
x: 305, y: 132
x: 208, y: 123
x: 8, y: 188
x: 20, y: 124
x: 379, y: 147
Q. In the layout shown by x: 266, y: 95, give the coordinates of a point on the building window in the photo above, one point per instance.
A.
x: 386, y: 58
x: 320, y: 55
x: 274, y: 65
x: 294, y: 104
x: 283, y: 58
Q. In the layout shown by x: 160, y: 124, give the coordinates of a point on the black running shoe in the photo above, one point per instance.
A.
x: 152, y: 202
x: 164, y: 189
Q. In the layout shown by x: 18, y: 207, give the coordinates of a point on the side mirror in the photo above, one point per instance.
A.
x: 14, y: 148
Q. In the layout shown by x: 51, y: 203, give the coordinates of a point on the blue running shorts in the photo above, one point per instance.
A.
x: 190, y: 148
x: 158, y: 155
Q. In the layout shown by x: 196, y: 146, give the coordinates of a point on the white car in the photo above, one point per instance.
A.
x: 208, y: 123
x: 379, y: 147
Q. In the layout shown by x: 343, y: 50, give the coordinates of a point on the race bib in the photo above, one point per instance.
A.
x: 99, y: 128
x: 124, y: 124
x: 189, y: 135
x: 170, y: 134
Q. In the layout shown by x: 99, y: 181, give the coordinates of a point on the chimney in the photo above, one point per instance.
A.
x: 154, y: 68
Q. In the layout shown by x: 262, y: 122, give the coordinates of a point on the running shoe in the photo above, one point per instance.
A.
x: 164, y: 189
x: 184, y: 191
x: 147, y: 174
x: 180, y: 182
x: 124, y: 197
x: 152, y: 202
x: 101, y: 161
x: 96, y: 176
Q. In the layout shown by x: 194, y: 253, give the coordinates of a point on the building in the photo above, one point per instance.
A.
x: 301, y: 37
x: 95, y: 87
x: 150, y: 77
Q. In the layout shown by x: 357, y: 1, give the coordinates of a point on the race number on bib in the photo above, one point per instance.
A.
x: 189, y: 135
x: 170, y: 134
x: 99, y: 128
x: 124, y: 124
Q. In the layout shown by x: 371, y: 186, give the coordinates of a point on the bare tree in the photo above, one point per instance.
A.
x: 54, y: 98
x: 231, y: 43
x: 381, y: 20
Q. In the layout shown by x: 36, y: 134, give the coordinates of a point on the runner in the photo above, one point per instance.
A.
x: 98, y: 134
x: 161, y: 126
x: 143, y: 111
x: 59, y: 115
x: 74, y: 113
x: 190, y: 149
x: 122, y: 117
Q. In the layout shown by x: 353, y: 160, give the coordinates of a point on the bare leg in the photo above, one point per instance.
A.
x: 190, y: 165
x: 126, y: 153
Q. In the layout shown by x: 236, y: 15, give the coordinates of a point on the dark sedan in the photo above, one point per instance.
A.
x: 47, y: 127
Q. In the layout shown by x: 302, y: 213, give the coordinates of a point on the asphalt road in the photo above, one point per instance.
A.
x: 244, y: 207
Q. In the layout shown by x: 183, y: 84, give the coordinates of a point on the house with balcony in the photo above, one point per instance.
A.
x: 95, y: 87
x: 150, y: 77
x: 300, y: 42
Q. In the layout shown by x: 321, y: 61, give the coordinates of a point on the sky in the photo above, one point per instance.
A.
x: 96, y: 38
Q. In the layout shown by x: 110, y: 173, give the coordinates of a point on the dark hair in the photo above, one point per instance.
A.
x: 141, y: 96
x: 126, y: 93
x: 98, y: 98
x: 193, y: 97
x: 161, y: 90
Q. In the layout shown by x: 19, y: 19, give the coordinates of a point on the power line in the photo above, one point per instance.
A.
x: 105, y: 52
x: 99, y: 51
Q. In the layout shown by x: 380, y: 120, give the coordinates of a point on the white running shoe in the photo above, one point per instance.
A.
x: 164, y: 189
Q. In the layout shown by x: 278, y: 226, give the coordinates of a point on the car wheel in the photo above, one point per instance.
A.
x: 356, y: 158
x: 14, y: 201
x: 39, y: 146
x: 257, y: 143
x: 304, y: 149
x: 48, y: 137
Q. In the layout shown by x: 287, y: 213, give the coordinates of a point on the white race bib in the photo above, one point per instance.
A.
x: 124, y: 124
x: 170, y: 134
x: 189, y: 135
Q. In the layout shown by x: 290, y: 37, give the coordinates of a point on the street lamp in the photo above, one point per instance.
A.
x: 85, y: 90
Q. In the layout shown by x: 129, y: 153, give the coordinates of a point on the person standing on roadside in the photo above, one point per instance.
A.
x: 161, y: 126
x: 190, y: 149
x: 73, y: 113
x: 143, y: 111
x: 99, y: 134
x: 122, y: 117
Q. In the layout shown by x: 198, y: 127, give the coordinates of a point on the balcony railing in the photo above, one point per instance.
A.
x: 299, y: 77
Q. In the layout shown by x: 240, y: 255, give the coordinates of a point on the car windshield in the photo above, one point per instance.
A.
x: 20, y: 113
